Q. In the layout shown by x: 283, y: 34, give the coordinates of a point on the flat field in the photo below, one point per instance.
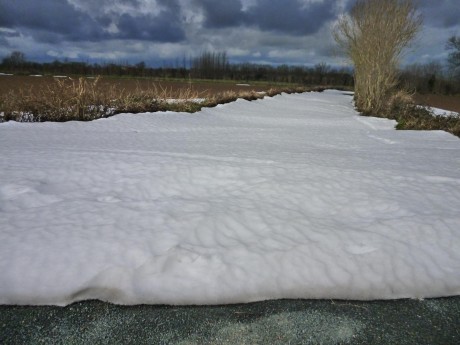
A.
x: 451, y: 103
x: 202, y: 88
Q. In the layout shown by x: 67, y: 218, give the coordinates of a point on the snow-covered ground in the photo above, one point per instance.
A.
x: 294, y: 196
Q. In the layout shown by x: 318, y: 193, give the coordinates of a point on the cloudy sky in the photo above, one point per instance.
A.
x: 164, y: 31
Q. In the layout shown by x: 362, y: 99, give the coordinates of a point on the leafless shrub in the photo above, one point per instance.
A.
x: 374, y: 37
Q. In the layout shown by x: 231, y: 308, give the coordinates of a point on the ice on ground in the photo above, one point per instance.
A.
x: 294, y: 196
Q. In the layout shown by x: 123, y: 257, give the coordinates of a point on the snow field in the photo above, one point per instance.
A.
x: 294, y: 196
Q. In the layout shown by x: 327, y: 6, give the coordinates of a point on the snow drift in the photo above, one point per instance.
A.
x: 294, y: 196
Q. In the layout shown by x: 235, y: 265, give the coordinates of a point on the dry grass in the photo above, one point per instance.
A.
x: 87, y: 99
x: 402, y: 107
x: 84, y: 100
x: 58, y: 101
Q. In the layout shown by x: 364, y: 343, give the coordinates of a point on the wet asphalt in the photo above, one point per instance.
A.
x: 430, y: 321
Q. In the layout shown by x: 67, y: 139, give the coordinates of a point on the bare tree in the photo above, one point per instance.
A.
x: 210, y: 65
x: 15, y: 59
x: 453, y: 45
x: 374, y: 36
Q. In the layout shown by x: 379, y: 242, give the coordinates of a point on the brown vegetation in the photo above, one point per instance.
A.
x: 402, y: 107
x: 64, y: 99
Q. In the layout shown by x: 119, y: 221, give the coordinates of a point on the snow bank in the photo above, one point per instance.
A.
x: 294, y: 196
x: 443, y: 112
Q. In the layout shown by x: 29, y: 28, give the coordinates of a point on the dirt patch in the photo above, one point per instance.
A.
x: 451, y: 103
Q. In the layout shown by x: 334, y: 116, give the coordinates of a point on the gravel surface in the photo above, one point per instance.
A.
x: 431, y: 321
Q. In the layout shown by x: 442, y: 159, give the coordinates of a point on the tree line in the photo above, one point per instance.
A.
x: 432, y: 77
x: 209, y: 65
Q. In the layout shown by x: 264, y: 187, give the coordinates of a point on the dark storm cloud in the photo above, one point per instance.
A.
x: 48, y: 19
x: 441, y: 13
x: 9, y: 33
x: 269, y: 15
x: 222, y: 14
x: 291, y: 16
x: 146, y: 27
x: 165, y: 27
x: 266, y: 31
x: 4, y: 42
x: 52, y: 21
x: 5, y: 34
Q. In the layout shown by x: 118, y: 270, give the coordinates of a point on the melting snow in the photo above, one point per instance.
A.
x: 294, y: 196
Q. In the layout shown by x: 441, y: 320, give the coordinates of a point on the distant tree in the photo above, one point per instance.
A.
x: 210, y: 65
x: 139, y: 68
x: 453, y: 45
x: 321, y: 70
x: 141, y: 65
x: 426, y: 78
x: 374, y: 36
x: 15, y: 59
